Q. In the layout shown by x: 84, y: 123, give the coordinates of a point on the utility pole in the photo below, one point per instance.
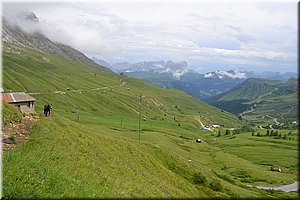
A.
x: 140, y: 116
x: 190, y: 150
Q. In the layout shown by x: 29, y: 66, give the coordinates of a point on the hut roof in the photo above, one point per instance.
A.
x: 17, y: 97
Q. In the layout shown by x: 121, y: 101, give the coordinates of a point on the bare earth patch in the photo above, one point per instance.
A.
x: 18, y: 133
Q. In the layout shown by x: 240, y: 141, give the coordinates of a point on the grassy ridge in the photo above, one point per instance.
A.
x: 250, y: 89
x: 261, y: 101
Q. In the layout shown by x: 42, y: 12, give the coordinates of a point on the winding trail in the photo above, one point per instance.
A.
x: 79, y: 90
x: 286, y: 188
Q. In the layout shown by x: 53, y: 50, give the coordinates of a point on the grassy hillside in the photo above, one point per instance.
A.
x: 66, y: 159
x: 99, y: 154
x: 99, y: 93
x: 261, y: 101
x: 249, y: 89
x: 10, y: 114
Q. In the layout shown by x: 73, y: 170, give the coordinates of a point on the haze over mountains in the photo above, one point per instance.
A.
x: 177, y: 69
x: 169, y: 74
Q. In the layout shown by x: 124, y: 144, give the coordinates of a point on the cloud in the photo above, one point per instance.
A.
x: 228, y: 33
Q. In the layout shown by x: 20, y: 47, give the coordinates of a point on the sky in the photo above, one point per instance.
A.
x: 209, y: 35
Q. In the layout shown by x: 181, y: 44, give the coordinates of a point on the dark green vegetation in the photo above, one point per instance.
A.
x: 193, y: 84
x: 99, y: 155
x: 262, y: 101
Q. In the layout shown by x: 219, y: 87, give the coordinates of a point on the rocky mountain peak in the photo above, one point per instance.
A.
x: 28, y: 16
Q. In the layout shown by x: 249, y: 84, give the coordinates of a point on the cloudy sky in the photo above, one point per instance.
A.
x: 258, y: 36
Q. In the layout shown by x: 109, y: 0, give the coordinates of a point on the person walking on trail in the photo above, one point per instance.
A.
x: 47, y: 109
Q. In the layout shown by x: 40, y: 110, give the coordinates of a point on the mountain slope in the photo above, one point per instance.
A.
x: 43, y: 73
x: 98, y: 153
x: 249, y: 89
x: 74, y: 152
x: 258, y: 98
x: 13, y: 34
x: 194, y: 84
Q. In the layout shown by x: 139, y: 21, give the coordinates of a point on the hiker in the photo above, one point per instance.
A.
x: 47, y: 109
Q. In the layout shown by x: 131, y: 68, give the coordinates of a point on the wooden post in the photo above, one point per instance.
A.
x: 140, y: 116
x: 77, y: 113
x: 190, y: 149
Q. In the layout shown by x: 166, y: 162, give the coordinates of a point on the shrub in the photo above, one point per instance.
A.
x: 198, y: 178
x: 216, y: 185
x: 246, y: 128
x: 284, y: 137
x: 227, y: 132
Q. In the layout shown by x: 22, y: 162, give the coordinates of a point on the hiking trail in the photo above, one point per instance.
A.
x: 17, y: 133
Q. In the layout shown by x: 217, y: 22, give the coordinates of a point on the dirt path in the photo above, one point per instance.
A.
x: 286, y: 188
x: 18, y: 133
x: 79, y: 90
x: 197, y: 118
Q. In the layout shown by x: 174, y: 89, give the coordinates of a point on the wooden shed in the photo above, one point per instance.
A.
x: 21, y: 100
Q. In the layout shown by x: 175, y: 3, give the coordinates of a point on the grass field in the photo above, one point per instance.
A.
x: 100, y: 155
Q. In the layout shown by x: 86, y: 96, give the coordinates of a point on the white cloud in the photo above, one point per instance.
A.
x: 258, y: 34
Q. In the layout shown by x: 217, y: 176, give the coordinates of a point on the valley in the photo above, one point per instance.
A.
x: 139, y: 133
x: 99, y: 154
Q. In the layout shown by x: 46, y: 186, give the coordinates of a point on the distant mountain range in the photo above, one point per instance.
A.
x: 178, y: 69
x: 178, y: 75
x: 175, y: 69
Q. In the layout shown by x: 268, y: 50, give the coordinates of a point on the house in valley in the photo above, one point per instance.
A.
x: 21, y: 100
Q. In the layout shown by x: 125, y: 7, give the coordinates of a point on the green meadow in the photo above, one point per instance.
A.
x: 90, y: 145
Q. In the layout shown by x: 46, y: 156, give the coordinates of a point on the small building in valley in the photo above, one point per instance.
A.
x: 21, y: 100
